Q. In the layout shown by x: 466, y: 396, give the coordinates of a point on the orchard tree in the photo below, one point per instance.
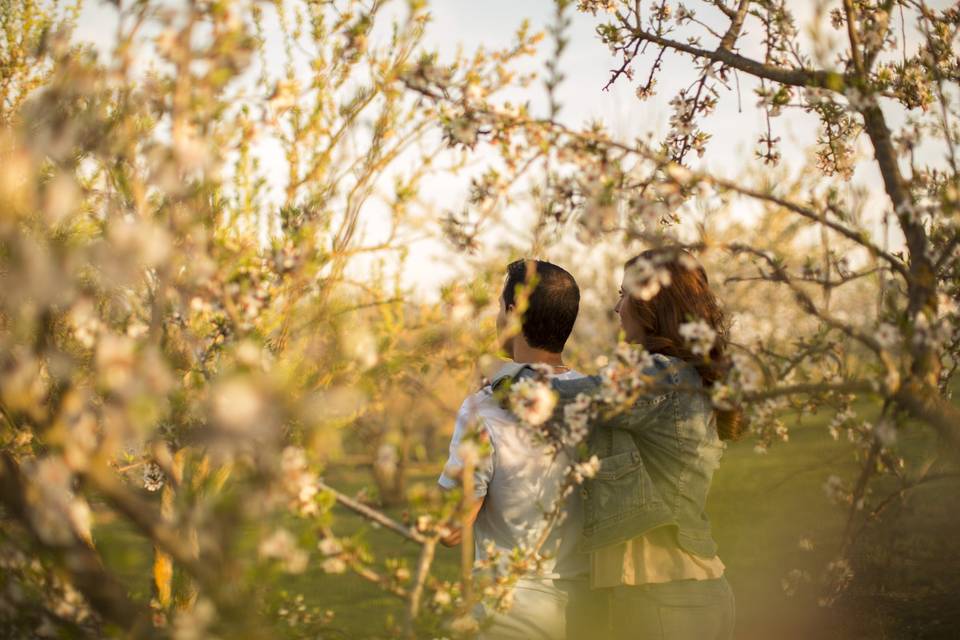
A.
x: 181, y: 310
x: 881, y: 314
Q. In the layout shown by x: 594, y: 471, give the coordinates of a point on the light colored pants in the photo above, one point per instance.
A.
x: 538, y: 613
x: 680, y: 610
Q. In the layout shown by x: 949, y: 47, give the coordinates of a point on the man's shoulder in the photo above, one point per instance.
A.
x: 509, y: 371
x: 479, y: 404
x: 487, y: 403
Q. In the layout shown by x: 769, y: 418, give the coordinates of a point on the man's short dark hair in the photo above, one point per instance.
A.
x: 553, y: 303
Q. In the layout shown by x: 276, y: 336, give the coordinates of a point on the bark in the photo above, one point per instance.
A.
x: 926, y: 403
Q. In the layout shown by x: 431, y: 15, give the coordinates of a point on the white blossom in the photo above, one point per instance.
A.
x: 281, y: 545
x: 586, y: 469
x: 699, y: 335
x: 792, y: 581
x: 840, y: 420
x: 442, y: 597
x: 838, y: 575
x: 115, y: 359
x: 361, y: 345
x: 576, y: 416
x: 238, y: 407
x: 334, y: 566
x: 593, y: 6
x: 153, y: 477
x: 464, y: 624
x: 887, y: 335
x: 330, y: 546
x: 532, y: 401
x: 626, y: 376
x: 299, y: 482
x: 643, y: 279
x: 836, y: 490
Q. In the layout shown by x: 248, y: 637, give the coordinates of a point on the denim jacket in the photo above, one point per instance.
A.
x: 657, y: 460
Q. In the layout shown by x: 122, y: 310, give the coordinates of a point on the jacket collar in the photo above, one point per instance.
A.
x: 508, y: 370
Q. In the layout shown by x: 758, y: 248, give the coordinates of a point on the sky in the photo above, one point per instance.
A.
x: 470, y: 24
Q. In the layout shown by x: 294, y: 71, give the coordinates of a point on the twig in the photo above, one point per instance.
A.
x: 813, y: 467
x: 370, y: 575
x: 372, y: 514
x: 466, y: 541
x: 416, y: 593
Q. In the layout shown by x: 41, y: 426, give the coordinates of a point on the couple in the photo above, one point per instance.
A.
x: 633, y: 555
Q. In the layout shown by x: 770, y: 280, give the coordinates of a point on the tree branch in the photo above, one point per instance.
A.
x: 851, y: 386
x: 851, y: 234
x: 736, y: 24
x: 926, y: 404
x: 374, y: 515
x: 797, y: 77
x: 853, y: 36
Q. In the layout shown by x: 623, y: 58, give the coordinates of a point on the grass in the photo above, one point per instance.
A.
x: 761, y: 506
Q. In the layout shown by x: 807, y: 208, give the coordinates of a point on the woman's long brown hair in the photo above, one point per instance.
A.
x: 687, y: 298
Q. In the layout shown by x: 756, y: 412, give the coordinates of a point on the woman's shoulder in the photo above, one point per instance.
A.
x: 674, y: 370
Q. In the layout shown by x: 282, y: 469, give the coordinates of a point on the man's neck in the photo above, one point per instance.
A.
x: 526, y: 354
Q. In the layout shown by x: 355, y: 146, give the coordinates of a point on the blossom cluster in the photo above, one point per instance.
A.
x: 299, y: 482
x: 532, y: 401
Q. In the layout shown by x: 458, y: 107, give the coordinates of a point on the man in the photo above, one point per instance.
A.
x: 520, y: 480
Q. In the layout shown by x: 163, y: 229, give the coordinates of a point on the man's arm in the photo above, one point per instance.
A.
x: 455, y: 535
x: 450, y: 478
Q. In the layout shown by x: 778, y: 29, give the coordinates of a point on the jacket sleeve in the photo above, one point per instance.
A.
x: 568, y: 390
x: 641, y: 414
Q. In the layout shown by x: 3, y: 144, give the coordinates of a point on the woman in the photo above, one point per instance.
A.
x: 653, y: 558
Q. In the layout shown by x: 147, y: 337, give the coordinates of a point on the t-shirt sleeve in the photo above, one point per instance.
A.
x: 468, y: 420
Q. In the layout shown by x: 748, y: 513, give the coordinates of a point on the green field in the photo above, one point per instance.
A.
x: 761, y: 505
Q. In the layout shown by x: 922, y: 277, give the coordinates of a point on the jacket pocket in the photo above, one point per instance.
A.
x: 615, y: 490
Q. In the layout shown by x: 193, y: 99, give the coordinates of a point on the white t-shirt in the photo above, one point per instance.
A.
x: 519, y: 483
